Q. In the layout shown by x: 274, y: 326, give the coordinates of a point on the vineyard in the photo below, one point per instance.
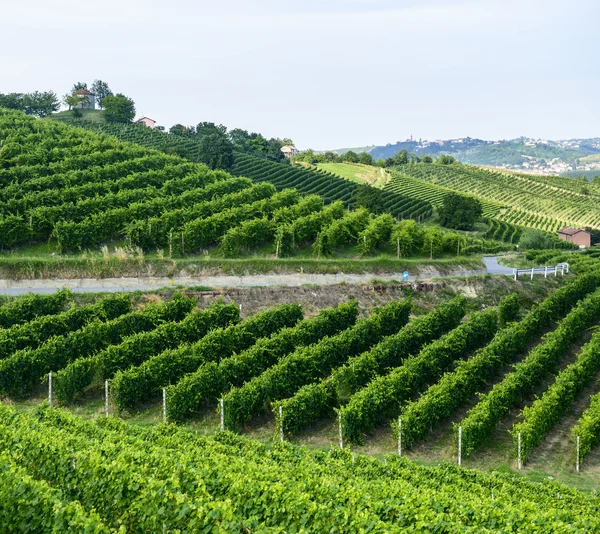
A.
x: 63, y: 473
x: 355, y: 370
x: 79, y: 191
x: 546, y: 203
x: 282, y: 175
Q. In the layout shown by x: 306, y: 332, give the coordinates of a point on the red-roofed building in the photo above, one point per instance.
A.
x: 87, y: 100
x: 575, y: 235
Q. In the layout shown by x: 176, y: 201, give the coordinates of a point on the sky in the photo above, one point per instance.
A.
x: 328, y: 74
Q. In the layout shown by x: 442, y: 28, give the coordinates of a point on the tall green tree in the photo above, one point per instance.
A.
x: 119, y: 108
x: 41, y: 104
x: 101, y: 90
x: 350, y: 157
x: 181, y: 130
x: 216, y: 151
x: 459, y: 212
x: 12, y: 101
x: 365, y: 158
x: 445, y: 159
x: 209, y: 128
x: 79, y: 85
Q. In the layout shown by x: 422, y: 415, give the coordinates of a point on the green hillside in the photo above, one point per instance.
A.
x: 72, y: 191
x: 281, y: 174
x: 533, y: 201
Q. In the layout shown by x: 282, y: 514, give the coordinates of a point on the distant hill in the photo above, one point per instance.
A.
x: 524, y: 154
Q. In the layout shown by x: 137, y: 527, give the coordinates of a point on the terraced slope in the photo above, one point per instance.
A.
x: 533, y: 201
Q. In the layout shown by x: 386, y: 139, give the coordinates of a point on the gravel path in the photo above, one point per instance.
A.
x: 93, y: 285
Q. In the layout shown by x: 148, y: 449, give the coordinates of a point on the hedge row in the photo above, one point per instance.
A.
x: 212, y: 379
x: 312, y: 363
x: 139, y: 383
x: 30, y: 505
x: 588, y: 427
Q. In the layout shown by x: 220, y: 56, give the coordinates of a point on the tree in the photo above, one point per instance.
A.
x: 208, y: 128
x: 216, y: 151
x: 330, y: 156
x: 368, y: 197
x: 401, y: 158
x: 41, y: 104
x: 12, y: 101
x: 71, y: 100
x: 79, y: 85
x: 365, y: 158
x: 239, y: 138
x: 445, y: 159
x: 459, y: 212
x: 101, y: 90
x: 595, y: 233
x: 350, y: 157
x: 534, y: 239
x: 119, y: 108
x: 426, y: 159
x: 181, y: 130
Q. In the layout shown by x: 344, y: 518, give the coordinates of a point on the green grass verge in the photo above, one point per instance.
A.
x: 21, y: 267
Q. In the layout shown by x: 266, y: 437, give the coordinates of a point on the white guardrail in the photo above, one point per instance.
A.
x: 561, y: 267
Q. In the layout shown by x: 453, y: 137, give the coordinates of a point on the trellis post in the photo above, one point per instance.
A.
x: 106, y: 398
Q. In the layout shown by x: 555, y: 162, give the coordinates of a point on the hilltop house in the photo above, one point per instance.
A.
x: 575, y: 235
x: 87, y: 100
x: 289, y: 151
x: 146, y: 121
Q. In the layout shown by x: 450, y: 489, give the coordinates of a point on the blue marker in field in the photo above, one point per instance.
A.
x: 405, y: 275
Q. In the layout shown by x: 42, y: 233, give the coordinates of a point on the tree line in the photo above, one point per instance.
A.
x: 401, y: 158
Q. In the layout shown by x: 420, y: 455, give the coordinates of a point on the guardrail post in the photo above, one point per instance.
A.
x: 515, y: 274
x: 546, y: 272
x: 555, y: 271
x: 532, y: 273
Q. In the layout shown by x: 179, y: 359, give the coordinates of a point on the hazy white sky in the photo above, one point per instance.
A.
x: 327, y: 74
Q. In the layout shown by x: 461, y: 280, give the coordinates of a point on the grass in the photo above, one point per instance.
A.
x: 357, y: 172
x: 90, y: 115
x: 43, y: 262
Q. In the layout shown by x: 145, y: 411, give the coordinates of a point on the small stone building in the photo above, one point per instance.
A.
x: 87, y: 100
x: 575, y: 235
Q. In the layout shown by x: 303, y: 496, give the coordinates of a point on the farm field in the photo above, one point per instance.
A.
x: 268, y: 363
x: 536, y: 202
x: 329, y: 185
x: 75, y: 200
